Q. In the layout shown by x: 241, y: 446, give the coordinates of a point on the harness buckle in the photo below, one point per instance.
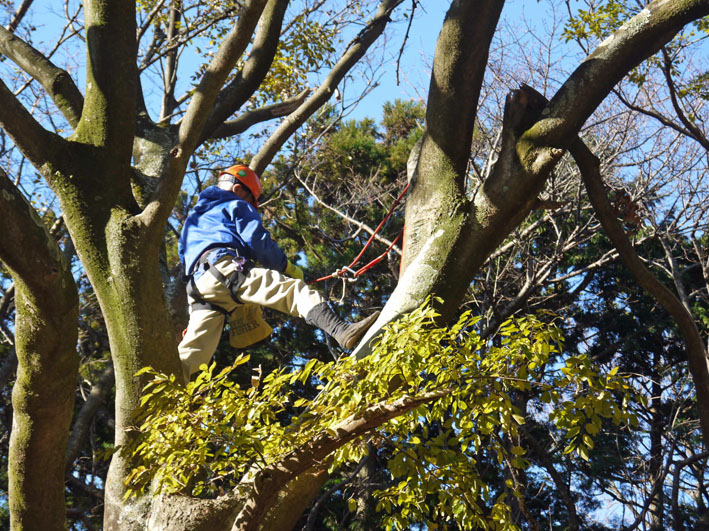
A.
x: 239, y: 263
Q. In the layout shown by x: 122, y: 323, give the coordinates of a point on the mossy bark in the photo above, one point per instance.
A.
x: 43, y: 402
x: 118, y: 229
x: 45, y: 341
x: 449, y: 237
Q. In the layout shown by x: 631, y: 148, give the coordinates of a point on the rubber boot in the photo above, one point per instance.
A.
x: 346, y: 334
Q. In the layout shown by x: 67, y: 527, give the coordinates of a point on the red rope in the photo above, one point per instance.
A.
x: 348, y: 269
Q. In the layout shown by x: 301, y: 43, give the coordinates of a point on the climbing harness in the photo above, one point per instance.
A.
x: 233, y: 282
x: 348, y: 273
x: 246, y: 323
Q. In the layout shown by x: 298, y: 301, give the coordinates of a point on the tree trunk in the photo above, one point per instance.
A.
x: 47, y: 309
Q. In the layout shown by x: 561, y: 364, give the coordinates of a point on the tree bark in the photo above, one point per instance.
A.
x: 444, y: 254
x: 118, y: 236
x: 255, y: 68
x: 56, y: 82
x: 47, y: 310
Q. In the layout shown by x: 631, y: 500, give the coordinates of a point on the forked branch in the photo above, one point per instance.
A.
x: 352, y: 55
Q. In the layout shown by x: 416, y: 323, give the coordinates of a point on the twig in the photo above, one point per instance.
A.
x: 316, y: 506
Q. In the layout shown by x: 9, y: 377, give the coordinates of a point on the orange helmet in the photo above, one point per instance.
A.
x: 245, y: 176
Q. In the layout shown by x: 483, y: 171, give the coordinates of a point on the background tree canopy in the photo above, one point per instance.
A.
x: 540, y: 360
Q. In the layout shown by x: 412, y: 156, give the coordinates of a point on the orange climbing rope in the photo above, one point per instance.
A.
x: 348, y: 272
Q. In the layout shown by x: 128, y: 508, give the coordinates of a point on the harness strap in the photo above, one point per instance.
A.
x: 233, y: 282
x: 201, y: 304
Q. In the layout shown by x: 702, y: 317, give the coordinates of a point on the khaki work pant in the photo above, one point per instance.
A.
x: 264, y: 287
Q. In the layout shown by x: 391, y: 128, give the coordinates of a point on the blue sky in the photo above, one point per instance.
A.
x: 418, y: 54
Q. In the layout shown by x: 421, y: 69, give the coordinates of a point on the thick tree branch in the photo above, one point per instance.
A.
x: 457, y: 237
x: 26, y: 246
x: 352, y: 55
x: 108, y: 118
x: 259, y: 492
x: 696, y: 351
x: 255, y: 69
x: 192, y: 126
x: 248, y: 504
x: 45, y: 336
x: 639, y: 38
x: 295, y: 498
x: 35, y: 142
x: 159, y: 207
x: 459, y: 67
x: 56, y: 82
x: 262, y: 114
x: 458, y: 70
x: 20, y: 13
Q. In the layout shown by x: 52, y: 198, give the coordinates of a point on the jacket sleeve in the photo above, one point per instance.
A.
x: 250, y: 229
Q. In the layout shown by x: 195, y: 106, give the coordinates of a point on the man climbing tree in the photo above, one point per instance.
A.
x: 224, y: 237
x: 117, y: 172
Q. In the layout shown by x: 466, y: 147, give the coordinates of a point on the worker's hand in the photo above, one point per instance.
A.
x: 294, y: 271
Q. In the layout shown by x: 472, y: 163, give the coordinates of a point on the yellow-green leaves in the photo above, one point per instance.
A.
x: 598, y: 21
x: 204, y: 437
x: 307, y: 47
x: 586, y: 397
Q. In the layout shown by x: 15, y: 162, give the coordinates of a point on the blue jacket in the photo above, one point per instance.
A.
x: 221, y: 219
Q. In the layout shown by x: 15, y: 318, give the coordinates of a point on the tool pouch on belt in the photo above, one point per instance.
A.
x: 247, y: 326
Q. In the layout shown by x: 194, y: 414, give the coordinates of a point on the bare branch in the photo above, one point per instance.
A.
x: 84, y: 418
x: 679, y: 465
x: 19, y: 15
x: 152, y: 55
x: 694, y: 131
x: 347, y: 218
x: 149, y: 19
x: 561, y: 486
x: 352, y: 55
x: 255, y: 69
x: 262, y: 114
x: 170, y: 75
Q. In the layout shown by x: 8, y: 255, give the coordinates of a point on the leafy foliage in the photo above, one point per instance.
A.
x: 599, y: 21
x: 207, y: 436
